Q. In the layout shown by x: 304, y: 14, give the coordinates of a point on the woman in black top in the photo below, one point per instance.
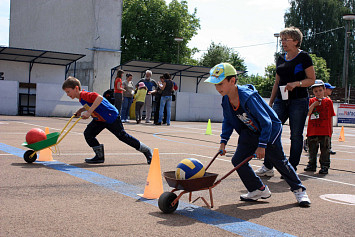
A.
x: 294, y: 69
x: 166, y: 98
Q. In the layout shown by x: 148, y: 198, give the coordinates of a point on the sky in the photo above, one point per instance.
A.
x: 247, y: 26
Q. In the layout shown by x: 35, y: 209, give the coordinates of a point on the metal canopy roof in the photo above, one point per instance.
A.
x: 38, y: 56
x: 179, y: 70
x: 160, y: 68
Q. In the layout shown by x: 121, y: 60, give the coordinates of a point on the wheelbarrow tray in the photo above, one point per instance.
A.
x: 190, y: 184
x: 50, y: 141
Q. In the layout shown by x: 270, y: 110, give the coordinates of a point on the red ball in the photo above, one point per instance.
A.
x: 35, y: 135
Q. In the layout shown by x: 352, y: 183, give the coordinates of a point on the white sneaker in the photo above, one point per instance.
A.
x: 263, y: 171
x: 255, y: 195
x: 302, y: 198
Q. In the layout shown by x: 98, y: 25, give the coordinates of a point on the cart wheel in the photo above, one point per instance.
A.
x: 27, y: 157
x: 165, y: 201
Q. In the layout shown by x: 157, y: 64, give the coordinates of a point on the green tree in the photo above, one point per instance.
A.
x: 150, y: 26
x: 263, y: 84
x: 320, y: 67
x: 217, y: 53
x: 323, y: 28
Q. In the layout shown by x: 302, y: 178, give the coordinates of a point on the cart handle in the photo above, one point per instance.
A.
x: 68, y: 129
x: 234, y: 169
x: 67, y: 124
x: 219, y: 152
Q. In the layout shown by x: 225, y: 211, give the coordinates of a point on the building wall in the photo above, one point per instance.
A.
x: 9, y: 97
x: 73, y: 26
x: 198, y: 107
x: 51, y: 100
x: 19, y: 71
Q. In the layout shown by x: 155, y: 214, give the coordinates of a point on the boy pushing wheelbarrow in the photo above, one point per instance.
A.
x: 259, y: 132
x: 105, y: 115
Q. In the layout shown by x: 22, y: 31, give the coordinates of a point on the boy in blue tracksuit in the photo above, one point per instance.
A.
x: 259, y: 132
x: 104, y: 115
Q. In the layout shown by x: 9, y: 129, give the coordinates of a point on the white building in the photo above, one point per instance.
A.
x: 92, y: 28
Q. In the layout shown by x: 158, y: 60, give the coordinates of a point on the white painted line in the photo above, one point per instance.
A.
x: 345, y: 199
x: 328, y: 180
x: 50, y: 128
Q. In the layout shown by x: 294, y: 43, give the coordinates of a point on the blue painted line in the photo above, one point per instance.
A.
x: 219, y: 220
x: 11, y: 150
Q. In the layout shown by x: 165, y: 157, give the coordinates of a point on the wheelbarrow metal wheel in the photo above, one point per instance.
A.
x: 165, y: 201
x: 27, y: 156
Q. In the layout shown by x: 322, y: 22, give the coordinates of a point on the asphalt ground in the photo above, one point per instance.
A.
x: 67, y: 197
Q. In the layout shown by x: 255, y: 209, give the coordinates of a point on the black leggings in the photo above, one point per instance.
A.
x: 95, y: 127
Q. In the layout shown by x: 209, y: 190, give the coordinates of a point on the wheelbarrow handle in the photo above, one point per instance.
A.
x: 67, y: 123
x: 68, y: 129
x: 234, y: 169
x: 219, y: 152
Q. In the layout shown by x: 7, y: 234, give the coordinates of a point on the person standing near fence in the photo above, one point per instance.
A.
x: 166, y: 98
x: 140, y: 100
x: 150, y: 84
x: 157, y: 97
x: 127, y: 97
x: 118, y: 92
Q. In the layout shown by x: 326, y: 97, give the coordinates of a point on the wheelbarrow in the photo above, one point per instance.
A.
x: 30, y: 156
x: 169, y: 201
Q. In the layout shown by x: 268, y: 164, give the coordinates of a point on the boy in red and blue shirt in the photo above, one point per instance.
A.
x: 319, y: 130
x: 104, y: 115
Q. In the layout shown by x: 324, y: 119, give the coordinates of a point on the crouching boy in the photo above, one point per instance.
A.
x: 259, y: 132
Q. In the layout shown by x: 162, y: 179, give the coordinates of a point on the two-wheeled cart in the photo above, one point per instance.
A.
x: 169, y: 201
x: 52, y: 139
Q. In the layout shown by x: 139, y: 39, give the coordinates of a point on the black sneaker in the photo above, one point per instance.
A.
x: 323, y: 170
x: 310, y: 168
x: 332, y: 152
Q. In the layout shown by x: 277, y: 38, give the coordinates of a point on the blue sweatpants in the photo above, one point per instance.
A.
x: 247, y: 144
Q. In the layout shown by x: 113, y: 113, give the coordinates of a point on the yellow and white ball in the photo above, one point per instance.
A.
x: 189, y: 168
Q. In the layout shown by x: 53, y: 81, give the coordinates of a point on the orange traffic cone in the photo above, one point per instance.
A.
x: 154, y: 186
x: 45, y: 154
x: 342, y: 136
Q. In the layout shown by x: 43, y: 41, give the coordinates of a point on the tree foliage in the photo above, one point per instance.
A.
x: 263, y: 84
x: 217, y: 53
x: 323, y: 28
x: 150, y: 26
x: 320, y: 67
